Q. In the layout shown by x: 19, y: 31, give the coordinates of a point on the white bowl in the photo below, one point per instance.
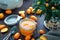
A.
x: 46, y: 25
x: 12, y: 19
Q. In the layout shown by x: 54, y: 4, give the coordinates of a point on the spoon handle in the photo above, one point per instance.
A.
x: 6, y: 38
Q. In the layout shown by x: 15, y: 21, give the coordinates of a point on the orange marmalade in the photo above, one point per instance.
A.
x: 27, y: 26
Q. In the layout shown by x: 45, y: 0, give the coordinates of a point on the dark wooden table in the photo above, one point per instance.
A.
x: 40, y: 20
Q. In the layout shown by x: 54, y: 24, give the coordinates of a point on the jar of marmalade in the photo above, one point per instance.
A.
x: 27, y: 26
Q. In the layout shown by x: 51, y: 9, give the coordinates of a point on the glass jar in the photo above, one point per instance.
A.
x: 10, y: 4
x: 27, y: 26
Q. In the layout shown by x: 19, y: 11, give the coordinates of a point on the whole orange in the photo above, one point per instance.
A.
x: 31, y: 8
x: 33, y: 39
x: 17, y: 35
x: 8, y: 11
x: 2, y: 26
x: 1, y: 15
x: 41, y: 31
x: 23, y: 15
x: 27, y: 37
x: 53, y: 8
x: 43, y: 38
x: 47, y: 4
x: 39, y: 11
x: 33, y: 17
x: 28, y: 11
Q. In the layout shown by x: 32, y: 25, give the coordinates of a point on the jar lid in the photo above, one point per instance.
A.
x: 28, y: 24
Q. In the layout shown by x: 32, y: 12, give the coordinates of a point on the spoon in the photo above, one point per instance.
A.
x: 13, y: 30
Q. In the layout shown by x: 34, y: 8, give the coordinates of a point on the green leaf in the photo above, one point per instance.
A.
x: 48, y: 16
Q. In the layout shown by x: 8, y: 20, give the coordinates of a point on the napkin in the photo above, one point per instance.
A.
x: 53, y: 35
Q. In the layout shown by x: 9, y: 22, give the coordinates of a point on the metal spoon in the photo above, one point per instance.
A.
x: 13, y: 30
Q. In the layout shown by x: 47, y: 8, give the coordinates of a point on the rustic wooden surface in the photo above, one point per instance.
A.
x: 40, y: 20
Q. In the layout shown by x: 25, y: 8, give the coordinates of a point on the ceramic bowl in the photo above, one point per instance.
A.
x: 45, y: 24
x: 12, y: 19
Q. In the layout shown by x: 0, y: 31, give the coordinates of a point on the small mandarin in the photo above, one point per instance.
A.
x: 33, y: 11
x: 52, y: 8
x: 28, y: 11
x: 32, y: 39
x: 38, y: 11
x: 19, y: 39
x: 20, y: 12
x: 31, y: 8
x: 2, y: 26
x: 43, y: 38
x: 33, y: 17
x: 41, y: 31
x: 17, y: 35
x: 47, y: 4
x: 1, y: 15
x: 23, y: 15
x: 8, y: 11
x: 38, y: 3
x: 4, y: 30
x: 27, y: 37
